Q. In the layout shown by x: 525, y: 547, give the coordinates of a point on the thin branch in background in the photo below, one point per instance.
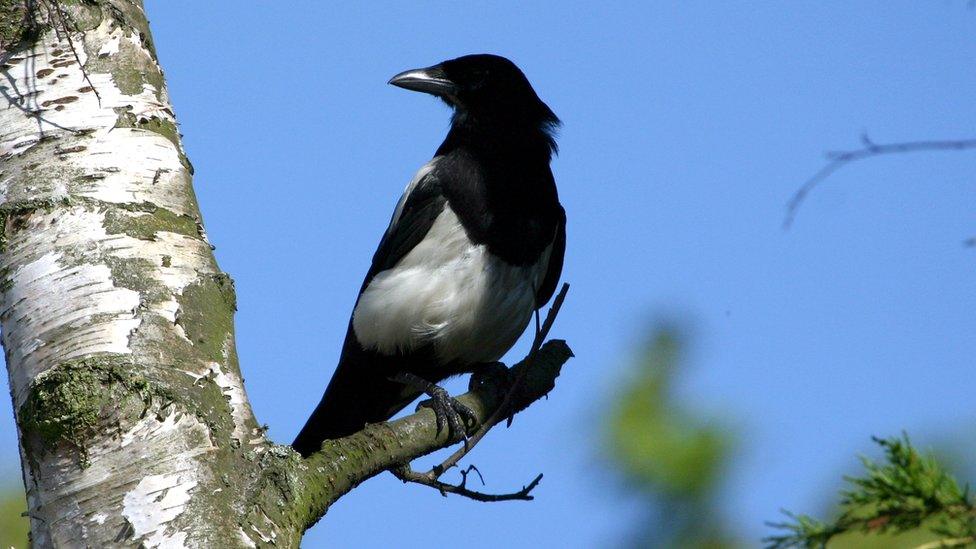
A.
x: 432, y: 477
x: 838, y: 159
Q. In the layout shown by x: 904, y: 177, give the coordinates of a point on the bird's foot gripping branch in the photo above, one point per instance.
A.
x: 343, y: 463
x: 506, y: 409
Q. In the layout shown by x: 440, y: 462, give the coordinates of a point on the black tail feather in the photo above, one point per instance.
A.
x: 350, y: 402
x: 360, y: 392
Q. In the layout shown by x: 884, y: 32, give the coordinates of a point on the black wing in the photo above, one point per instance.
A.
x: 555, y: 268
x: 419, y: 206
x: 359, y: 392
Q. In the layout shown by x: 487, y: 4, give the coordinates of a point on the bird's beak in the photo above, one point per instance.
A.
x: 431, y: 80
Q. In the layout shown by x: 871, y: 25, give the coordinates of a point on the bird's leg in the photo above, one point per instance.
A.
x: 448, y: 411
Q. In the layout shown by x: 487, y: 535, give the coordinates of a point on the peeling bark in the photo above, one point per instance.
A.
x: 134, y: 425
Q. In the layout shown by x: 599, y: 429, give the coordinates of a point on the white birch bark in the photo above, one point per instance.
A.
x: 110, y: 284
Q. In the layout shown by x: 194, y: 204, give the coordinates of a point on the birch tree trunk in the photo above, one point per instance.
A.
x: 134, y: 426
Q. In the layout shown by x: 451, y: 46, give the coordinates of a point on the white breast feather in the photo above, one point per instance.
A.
x: 449, y: 291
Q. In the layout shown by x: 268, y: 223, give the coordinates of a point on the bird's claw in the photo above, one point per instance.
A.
x: 450, y: 413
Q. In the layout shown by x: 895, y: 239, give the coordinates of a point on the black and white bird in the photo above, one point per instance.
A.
x: 474, y: 247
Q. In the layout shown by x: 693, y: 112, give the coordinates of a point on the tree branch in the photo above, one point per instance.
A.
x: 344, y: 463
x: 839, y: 159
x: 503, y: 410
x: 406, y: 474
x: 432, y: 478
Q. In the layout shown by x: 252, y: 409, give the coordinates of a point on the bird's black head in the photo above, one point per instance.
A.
x: 487, y: 92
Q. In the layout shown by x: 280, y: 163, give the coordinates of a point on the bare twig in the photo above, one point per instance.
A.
x: 63, y: 20
x: 504, y: 410
x: 406, y: 474
x: 839, y: 159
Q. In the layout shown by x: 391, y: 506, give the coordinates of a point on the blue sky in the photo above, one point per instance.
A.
x: 687, y: 126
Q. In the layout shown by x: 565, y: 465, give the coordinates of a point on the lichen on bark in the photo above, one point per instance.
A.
x: 13, y: 28
x: 146, y: 222
x: 66, y: 404
x: 206, y: 314
x: 153, y: 124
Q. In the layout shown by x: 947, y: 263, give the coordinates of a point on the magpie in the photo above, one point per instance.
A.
x: 474, y: 247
